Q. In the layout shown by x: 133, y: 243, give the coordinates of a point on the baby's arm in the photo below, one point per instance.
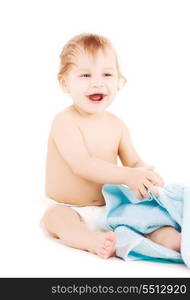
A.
x: 128, y: 155
x: 70, y: 144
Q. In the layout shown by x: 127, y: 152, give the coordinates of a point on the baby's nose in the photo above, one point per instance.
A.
x: 97, y: 82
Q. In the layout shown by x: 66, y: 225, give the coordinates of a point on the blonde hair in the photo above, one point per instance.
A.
x: 88, y: 42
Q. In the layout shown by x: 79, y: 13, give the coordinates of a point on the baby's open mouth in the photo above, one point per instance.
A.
x: 96, y: 97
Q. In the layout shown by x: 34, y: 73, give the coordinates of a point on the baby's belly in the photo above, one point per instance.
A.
x: 79, y: 194
x: 74, y: 190
x: 64, y: 186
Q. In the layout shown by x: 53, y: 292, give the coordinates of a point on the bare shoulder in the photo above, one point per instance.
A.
x: 63, y: 118
x: 115, y: 120
x: 65, y: 115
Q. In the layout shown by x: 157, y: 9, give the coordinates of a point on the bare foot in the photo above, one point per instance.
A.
x: 104, y: 244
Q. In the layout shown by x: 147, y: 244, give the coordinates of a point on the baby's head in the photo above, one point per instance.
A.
x: 89, y: 72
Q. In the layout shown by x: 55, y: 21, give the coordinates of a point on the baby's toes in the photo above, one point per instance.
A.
x: 107, y: 244
x: 104, y: 253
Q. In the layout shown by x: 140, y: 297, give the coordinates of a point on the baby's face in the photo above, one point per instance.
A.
x: 93, y: 81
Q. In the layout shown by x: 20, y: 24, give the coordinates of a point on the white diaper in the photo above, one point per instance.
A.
x: 93, y: 216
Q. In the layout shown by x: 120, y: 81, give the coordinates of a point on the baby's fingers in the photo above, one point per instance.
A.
x: 151, y: 187
x: 144, y: 192
x: 138, y: 195
x: 155, y: 179
x: 160, y: 180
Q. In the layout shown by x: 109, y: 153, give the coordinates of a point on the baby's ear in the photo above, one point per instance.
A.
x: 121, y: 82
x: 64, y: 86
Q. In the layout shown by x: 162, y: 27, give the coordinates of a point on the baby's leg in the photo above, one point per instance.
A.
x: 64, y: 223
x: 166, y: 236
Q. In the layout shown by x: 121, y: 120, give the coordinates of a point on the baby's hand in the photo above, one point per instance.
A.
x: 157, y: 180
x: 153, y: 180
x: 143, y: 179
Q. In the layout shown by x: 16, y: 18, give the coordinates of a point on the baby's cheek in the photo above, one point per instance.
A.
x: 114, y: 86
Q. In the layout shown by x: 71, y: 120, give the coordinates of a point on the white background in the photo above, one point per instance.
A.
x: 152, y: 40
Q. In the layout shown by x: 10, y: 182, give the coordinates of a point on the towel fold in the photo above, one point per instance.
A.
x: 131, y: 218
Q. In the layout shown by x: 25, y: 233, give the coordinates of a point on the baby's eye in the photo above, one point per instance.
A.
x: 85, y: 75
x: 107, y: 74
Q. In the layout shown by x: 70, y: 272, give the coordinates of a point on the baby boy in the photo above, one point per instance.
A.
x: 83, y: 146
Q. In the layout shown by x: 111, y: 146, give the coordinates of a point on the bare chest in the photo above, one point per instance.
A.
x: 101, y: 140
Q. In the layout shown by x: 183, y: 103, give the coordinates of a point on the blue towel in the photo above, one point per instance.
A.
x: 131, y: 218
